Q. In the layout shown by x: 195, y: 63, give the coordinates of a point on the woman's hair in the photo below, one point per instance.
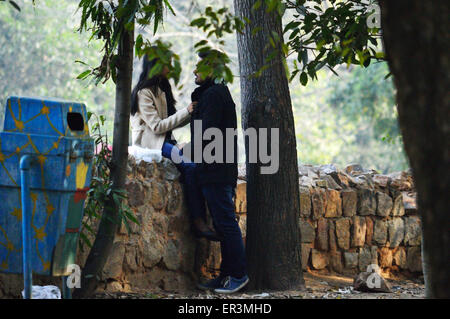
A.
x: 153, y: 84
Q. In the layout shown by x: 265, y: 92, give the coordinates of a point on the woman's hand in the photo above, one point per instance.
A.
x: 191, y: 107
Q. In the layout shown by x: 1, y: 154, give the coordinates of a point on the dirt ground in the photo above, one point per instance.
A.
x: 317, y: 287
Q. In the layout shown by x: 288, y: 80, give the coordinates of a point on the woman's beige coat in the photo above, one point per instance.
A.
x: 150, y: 123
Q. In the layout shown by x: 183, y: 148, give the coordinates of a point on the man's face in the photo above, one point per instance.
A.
x: 198, y: 78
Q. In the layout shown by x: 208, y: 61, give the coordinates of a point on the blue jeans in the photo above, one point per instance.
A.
x: 194, y: 198
x: 219, y: 198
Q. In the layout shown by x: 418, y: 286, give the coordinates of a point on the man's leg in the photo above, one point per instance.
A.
x: 221, y: 206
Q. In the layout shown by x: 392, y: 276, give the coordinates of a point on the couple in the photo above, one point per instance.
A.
x: 154, y: 116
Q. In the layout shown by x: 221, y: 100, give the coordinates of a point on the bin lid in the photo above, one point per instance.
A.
x: 45, y: 116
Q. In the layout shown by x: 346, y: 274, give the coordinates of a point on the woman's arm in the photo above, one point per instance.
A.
x: 147, y: 108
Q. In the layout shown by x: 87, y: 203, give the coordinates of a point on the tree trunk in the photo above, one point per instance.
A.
x: 104, y: 239
x: 273, y: 234
x: 416, y: 37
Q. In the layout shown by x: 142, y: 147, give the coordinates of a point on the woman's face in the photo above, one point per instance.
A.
x: 165, y: 71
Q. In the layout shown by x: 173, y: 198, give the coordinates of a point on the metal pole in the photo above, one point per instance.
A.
x: 26, y: 162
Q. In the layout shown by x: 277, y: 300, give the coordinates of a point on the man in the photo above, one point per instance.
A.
x: 217, y: 180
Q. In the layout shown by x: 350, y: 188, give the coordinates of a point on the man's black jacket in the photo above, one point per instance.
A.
x: 215, y: 109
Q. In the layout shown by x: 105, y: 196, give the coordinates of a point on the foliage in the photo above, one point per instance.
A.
x: 107, y: 20
x: 101, y: 190
x: 333, y: 116
x: 45, y: 66
x: 165, y: 57
x: 325, y: 34
x: 216, y: 23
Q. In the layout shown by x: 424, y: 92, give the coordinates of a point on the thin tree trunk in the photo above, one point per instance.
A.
x: 416, y: 35
x: 103, y: 243
x: 273, y: 236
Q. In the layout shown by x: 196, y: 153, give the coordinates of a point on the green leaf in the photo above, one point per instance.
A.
x: 84, y: 74
x: 304, y: 78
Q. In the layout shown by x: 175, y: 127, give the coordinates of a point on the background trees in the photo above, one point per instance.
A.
x: 273, y: 234
x: 328, y: 126
x: 416, y: 39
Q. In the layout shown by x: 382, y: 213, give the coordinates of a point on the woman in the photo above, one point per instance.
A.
x: 153, y: 117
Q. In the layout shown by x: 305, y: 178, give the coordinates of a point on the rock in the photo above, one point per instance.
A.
x: 322, y: 234
x: 306, y: 252
x: 399, y: 208
x: 351, y: 260
x: 243, y: 225
x: 413, y: 232
x: 307, y: 181
x: 158, y: 195
x: 130, y: 258
x: 319, y: 260
x: 318, y: 197
x: 365, y: 180
x: 336, y: 261
x: 305, y: 202
x: 332, y: 235
x: 401, y: 181
x: 414, y: 259
x: 399, y: 258
x: 331, y: 183
x: 114, y: 286
x: 240, y: 201
x: 369, y: 230
x: 384, y: 204
x: 353, y: 168
x: 321, y: 183
x: 343, y: 233
x: 396, y: 232
x: 380, y: 232
x: 171, y: 172
x: 367, y: 256
x: 349, y: 202
x: 341, y: 179
x: 367, y: 204
x: 307, y: 232
x: 171, y: 256
x: 113, y: 266
x: 381, y: 180
x: 371, y: 282
x: 334, y: 204
x: 152, y: 249
x: 307, y: 170
x: 385, y: 257
x: 136, y: 194
x: 410, y: 202
x: 358, y: 231
x: 327, y: 169
x: 175, y: 198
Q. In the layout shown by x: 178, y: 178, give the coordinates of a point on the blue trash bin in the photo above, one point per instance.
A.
x: 45, y: 170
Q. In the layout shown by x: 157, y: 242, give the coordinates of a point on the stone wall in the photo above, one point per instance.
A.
x: 160, y: 252
x: 352, y: 218
x: 349, y: 218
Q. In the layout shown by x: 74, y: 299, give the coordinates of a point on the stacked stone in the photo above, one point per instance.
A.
x: 160, y: 252
x: 353, y: 218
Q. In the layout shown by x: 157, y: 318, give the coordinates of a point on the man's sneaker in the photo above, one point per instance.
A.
x: 211, y: 284
x: 231, y: 285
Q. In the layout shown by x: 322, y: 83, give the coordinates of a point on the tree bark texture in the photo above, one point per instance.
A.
x: 416, y: 39
x: 273, y: 236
